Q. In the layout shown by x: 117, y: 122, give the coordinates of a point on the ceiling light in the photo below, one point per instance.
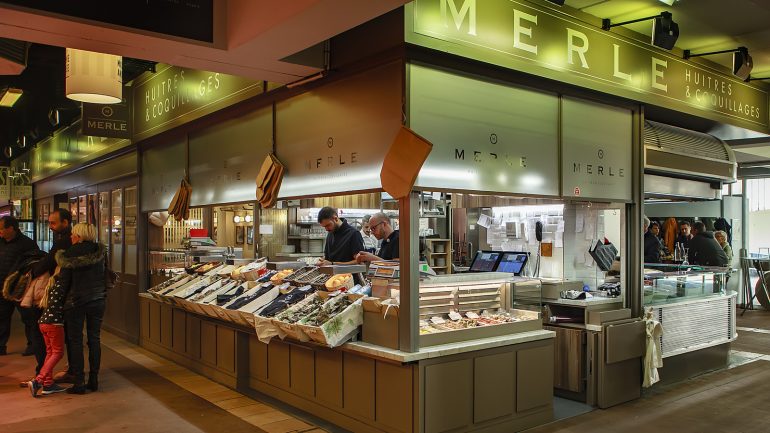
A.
x: 557, y: 2
x: 742, y: 61
x: 94, y: 77
x: 665, y: 31
x: 237, y: 219
x: 248, y: 218
x: 22, y: 141
x: 8, y: 151
x: 9, y: 96
x: 668, y: 2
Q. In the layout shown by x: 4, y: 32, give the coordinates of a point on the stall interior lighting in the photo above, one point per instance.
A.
x: 9, y: 97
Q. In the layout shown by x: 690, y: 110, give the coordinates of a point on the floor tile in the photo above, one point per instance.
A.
x: 253, y: 409
x: 285, y: 426
x: 267, y: 418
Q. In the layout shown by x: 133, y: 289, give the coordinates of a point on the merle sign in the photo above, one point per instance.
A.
x: 539, y: 40
x: 108, y: 120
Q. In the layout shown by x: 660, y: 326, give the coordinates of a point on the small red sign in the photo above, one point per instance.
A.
x: 577, y: 191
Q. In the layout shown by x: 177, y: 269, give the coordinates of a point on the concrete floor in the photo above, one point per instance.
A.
x: 141, y: 392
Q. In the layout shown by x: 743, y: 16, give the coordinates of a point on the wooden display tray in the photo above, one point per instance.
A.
x: 460, y: 335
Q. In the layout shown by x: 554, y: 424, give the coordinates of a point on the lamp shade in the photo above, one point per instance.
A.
x: 94, y: 77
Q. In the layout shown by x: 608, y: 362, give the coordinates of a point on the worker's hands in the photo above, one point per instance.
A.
x: 324, y: 262
x: 364, y: 256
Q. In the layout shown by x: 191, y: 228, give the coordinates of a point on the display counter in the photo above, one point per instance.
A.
x: 697, y: 313
x: 501, y: 381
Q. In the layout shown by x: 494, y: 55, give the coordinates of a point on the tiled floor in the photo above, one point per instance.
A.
x: 142, y: 392
x: 139, y: 392
x: 734, y: 400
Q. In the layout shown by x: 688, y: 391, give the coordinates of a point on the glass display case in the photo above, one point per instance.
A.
x: 673, y: 283
x: 461, y: 307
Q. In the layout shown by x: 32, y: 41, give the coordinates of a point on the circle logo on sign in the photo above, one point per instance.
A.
x: 107, y: 111
x: 493, y: 138
x: 600, y: 154
x: 577, y: 191
x: 330, y: 142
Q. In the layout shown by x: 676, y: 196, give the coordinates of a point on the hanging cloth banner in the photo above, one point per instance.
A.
x: 403, y: 162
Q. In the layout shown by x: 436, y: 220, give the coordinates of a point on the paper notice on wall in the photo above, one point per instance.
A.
x: 558, y: 240
x: 484, y: 221
x: 560, y: 227
x: 590, y: 230
x: 578, y: 222
x: 589, y: 261
x: 531, y: 237
x: 266, y: 229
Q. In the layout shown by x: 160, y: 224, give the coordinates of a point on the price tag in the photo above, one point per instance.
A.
x: 454, y: 315
x: 437, y: 320
x: 471, y: 315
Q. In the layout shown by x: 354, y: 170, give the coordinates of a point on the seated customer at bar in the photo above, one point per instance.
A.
x: 381, y: 228
x: 704, y: 249
x: 342, y: 240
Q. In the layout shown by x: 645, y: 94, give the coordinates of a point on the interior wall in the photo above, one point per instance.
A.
x: 703, y: 209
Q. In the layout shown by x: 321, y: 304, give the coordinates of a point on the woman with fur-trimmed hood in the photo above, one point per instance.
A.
x: 82, y: 275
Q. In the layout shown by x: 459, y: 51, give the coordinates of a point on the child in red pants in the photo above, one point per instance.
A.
x: 52, y: 327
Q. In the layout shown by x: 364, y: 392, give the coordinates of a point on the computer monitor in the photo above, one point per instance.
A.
x: 485, y: 261
x: 512, y: 262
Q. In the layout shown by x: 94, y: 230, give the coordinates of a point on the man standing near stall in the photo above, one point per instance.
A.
x: 381, y: 228
x: 13, y: 246
x: 342, y: 240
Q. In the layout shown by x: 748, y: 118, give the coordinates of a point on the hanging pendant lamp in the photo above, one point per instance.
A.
x: 94, y: 77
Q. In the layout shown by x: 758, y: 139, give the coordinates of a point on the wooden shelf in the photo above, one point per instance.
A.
x: 432, y: 255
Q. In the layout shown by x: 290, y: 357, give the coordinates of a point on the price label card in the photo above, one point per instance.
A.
x: 454, y: 315
x: 437, y: 320
x: 471, y: 315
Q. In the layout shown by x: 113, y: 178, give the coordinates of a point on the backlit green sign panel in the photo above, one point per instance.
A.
x: 174, y: 96
x: 548, y: 43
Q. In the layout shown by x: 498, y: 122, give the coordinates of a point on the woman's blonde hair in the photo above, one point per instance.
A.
x: 720, y: 233
x: 85, y: 231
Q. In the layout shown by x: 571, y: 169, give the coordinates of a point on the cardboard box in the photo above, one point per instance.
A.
x: 383, y: 287
x: 380, y: 323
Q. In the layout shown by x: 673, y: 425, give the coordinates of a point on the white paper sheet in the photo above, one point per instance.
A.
x: 579, y: 222
x: 560, y: 226
x: 484, y: 221
x: 558, y: 240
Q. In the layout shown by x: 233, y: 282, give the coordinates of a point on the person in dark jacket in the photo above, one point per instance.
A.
x: 652, y: 244
x: 343, y: 242
x: 13, y: 246
x: 704, y: 249
x: 60, y: 223
x: 82, y: 276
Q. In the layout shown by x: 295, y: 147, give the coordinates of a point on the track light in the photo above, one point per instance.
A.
x: 665, y: 31
x: 8, y: 151
x: 557, y: 2
x: 22, y: 141
x: 306, y: 80
x: 742, y: 61
x: 53, y: 117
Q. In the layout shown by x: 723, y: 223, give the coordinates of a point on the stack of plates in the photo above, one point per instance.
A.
x: 304, y: 245
x: 287, y: 249
x: 316, y: 246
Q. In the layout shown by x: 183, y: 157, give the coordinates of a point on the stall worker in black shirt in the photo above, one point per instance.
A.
x: 343, y: 242
x: 381, y: 228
